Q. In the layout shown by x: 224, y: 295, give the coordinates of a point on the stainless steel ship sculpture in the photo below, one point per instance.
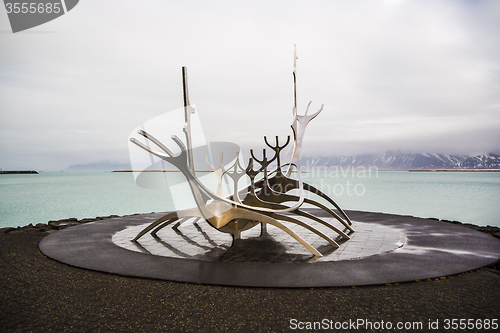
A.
x: 263, y: 201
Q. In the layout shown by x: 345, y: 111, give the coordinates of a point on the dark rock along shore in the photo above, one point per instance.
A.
x: 40, y: 294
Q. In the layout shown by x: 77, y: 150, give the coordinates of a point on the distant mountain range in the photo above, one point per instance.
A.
x: 98, y: 166
x: 402, y: 161
x: 387, y: 161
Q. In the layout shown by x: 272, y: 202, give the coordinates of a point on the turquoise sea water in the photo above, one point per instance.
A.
x: 468, y: 197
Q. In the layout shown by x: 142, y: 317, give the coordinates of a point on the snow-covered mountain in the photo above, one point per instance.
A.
x: 402, y: 161
x: 488, y: 161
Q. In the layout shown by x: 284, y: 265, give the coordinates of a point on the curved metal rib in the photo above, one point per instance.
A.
x: 288, y: 184
x: 254, y: 200
x: 261, y: 217
x: 170, y: 216
x: 308, y: 227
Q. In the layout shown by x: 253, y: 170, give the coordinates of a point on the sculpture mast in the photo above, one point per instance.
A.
x: 294, y: 121
x: 188, y: 111
x: 294, y: 80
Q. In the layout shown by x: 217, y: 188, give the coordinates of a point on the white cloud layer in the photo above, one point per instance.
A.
x: 393, y: 75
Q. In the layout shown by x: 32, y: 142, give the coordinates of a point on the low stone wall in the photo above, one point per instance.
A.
x: 61, y: 224
x: 492, y: 230
x: 55, y: 225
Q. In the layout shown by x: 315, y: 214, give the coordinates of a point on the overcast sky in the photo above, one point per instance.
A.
x: 415, y: 76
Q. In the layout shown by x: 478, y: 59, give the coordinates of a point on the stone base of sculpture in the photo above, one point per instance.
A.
x: 374, y: 255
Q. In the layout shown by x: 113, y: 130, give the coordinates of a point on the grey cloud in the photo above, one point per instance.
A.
x: 407, y: 75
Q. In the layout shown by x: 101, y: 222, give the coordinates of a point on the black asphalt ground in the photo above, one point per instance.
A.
x: 39, y: 294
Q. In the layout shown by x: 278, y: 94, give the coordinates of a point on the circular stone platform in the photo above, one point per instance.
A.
x: 384, y: 249
x: 199, y: 241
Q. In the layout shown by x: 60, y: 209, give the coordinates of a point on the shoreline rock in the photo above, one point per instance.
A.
x: 22, y: 172
x: 54, y: 225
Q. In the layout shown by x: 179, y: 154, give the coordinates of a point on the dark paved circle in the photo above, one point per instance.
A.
x: 432, y: 249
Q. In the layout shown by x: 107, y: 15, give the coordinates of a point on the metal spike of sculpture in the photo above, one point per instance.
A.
x: 261, y: 202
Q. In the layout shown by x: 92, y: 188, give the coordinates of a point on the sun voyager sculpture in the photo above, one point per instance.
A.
x: 266, y: 200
